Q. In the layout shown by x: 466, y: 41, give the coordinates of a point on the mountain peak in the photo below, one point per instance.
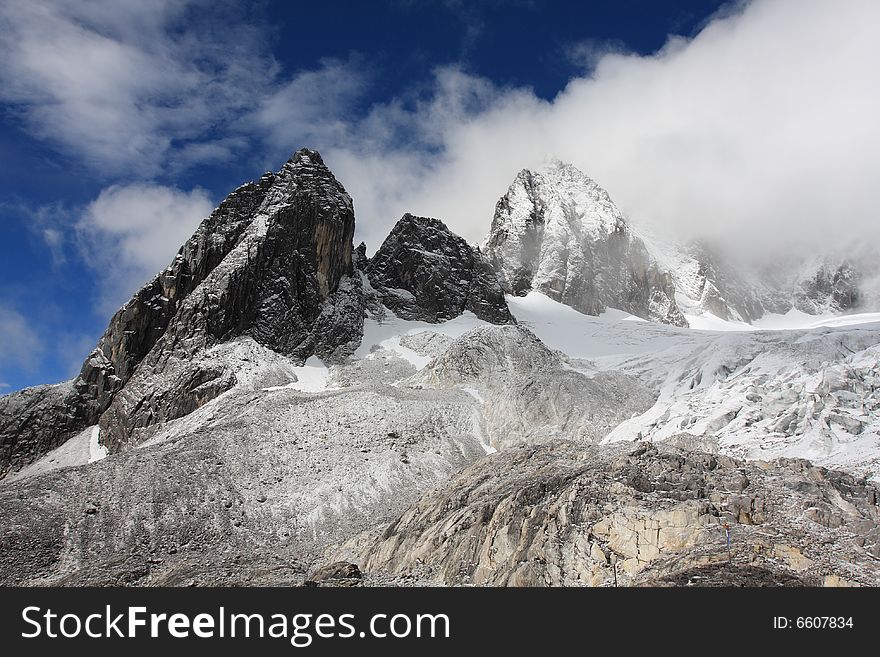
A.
x: 272, y: 263
x: 423, y: 271
x: 553, y: 164
x: 306, y: 156
x: 558, y: 232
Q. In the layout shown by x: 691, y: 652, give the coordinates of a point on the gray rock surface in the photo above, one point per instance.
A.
x: 529, y: 394
x: 423, y: 271
x: 831, y: 289
x: 250, y: 488
x: 568, y: 514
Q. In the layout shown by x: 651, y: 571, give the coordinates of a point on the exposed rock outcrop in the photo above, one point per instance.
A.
x: 529, y: 394
x: 424, y: 271
x: 340, y: 573
x: 562, y: 514
x: 831, y: 289
x: 739, y: 291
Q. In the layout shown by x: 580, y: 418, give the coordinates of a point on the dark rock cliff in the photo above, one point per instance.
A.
x: 424, y: 271
x: 273, y: 262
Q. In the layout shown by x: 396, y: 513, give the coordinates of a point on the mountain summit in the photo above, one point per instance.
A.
x: 272, y: 262
x: 557, y: 232
x: 424, y: 271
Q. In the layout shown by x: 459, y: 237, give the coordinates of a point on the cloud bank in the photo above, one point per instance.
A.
x: 130, y: 86
x: 761, y: 132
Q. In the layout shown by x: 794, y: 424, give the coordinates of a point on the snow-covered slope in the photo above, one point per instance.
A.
x: 809, y: 393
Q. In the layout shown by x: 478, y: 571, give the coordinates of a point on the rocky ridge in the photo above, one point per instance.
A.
x: 558, y: 232
x: 565, y: 514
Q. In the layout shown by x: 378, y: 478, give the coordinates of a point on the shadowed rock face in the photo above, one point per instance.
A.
x: 423, y: 271
x: 557, y: 231
x: 36, y: 420
x: 273, y: 261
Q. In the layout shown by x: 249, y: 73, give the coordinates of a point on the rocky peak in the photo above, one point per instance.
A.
x: 272, y: 262
x: 424, y: 271
x: 306, y: 156
x: 711, y: 279
x: 558, y: 232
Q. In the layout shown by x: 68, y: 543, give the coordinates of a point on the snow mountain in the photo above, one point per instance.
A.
x: 275, y: 407
x: 558, y: 232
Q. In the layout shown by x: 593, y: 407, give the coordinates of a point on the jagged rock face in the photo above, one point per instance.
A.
x: 62, y: 411
x: 273, y: 261
x: 288, y: 283
x: 36, y: 420
x: 562, y: 514
x: 558, y: 232
x: 720, y: 292
x: 423, y: 271
x: 831, y: 289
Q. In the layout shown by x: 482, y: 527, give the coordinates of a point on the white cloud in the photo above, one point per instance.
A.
x: 19, y: 346
x: 760, y: 131
x: 313, y: 105
x: 122, y: 83
x: 131, y: 232
x: 150, y: 89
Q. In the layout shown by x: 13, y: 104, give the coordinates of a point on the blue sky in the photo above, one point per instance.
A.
x: 125, y: 122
